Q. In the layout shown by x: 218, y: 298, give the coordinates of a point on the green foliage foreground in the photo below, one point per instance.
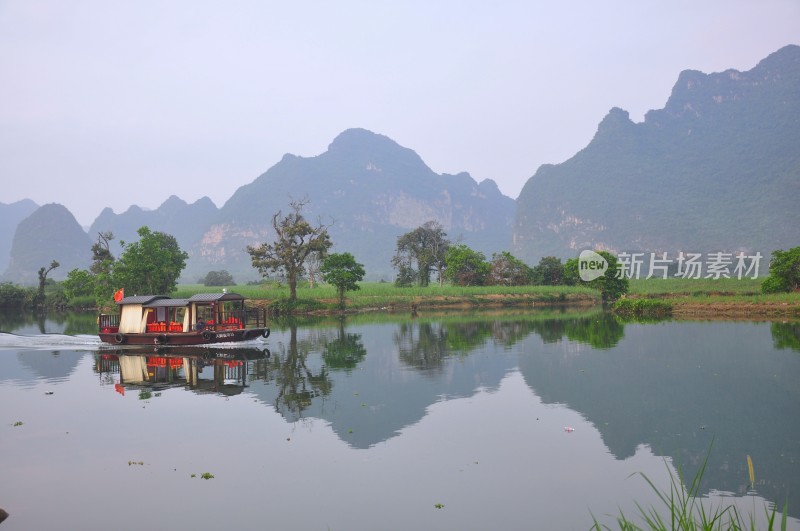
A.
x: 784, y: 272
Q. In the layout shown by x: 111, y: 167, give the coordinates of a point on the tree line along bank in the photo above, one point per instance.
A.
x: 300, y: 251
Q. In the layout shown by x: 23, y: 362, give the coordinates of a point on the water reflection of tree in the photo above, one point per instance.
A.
x: 551, y: 330
x: 425, y: 345
x: 603, y: 330
x: 11, y: 320
x: 72, y: 322
x: 344, y: 352
x: 786, y: 335
x: 297, y: 383
x: 421, y: 345
x: 80, y: 323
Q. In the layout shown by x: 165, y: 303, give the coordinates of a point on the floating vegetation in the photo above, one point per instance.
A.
x: 439, y: 505
x: 207, y: 475
x: 18, y: 423
x: 140, y: 463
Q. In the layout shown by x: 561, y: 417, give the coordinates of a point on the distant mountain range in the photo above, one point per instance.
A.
x: 717, y: 169
x: 10, y: 216
x: 49, y: 233
x: 369, y: 189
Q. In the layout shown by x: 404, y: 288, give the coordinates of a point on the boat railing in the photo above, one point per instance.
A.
x: 108, y: 322
x: 256, y: 318
x: 237, y: 319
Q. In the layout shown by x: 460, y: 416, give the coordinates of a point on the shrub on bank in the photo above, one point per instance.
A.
x: 642, y: 308
x: 286, y: 306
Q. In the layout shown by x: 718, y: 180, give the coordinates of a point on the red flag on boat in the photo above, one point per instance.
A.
x: 119, y: 295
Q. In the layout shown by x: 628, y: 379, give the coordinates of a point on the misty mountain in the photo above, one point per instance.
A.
x: 717, y: 169
x: 10, y: 216
x: 50, y: 233
x: 370, y: 190
x: 186, y: 222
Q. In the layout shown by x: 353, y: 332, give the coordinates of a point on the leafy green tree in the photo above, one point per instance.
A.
x: 784, y: 272
x: 426, y: 247
x: 610, y: 285
x: 218, y: 278
x: 406, y: 276
x: 507, y: 270
x: 150, y: 266
x: 79, y: 283
x: 466, y: 267
x: 12, y: 296
x: 296, y: 240
x: 549, y: 272
x: 342, y: 270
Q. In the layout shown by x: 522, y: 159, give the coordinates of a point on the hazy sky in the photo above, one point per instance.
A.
x: 106, y: 103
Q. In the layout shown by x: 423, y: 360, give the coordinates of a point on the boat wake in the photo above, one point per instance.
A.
x: 92, y: 342
x: 49, y: 341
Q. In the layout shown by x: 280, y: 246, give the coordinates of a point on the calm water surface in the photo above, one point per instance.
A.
x: 381, y: 422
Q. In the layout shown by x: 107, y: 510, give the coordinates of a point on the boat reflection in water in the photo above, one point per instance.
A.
x: 202, y: 370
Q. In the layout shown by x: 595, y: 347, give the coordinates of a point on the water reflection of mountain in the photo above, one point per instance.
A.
x: 32, y: 365
x: 369, y: 389
x: 675, y: 386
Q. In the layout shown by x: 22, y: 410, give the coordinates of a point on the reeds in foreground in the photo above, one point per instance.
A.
x: 683, y: 509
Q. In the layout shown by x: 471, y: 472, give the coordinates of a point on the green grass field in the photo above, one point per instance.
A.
x: 703, y: 286
x: 381, y: 294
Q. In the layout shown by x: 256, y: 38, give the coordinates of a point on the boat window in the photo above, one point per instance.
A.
x: 206, y: 313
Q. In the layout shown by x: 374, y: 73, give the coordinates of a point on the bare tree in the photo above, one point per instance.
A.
x: 296, y: 240
x: 43, y: 272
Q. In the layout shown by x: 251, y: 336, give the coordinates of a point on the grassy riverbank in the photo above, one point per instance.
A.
x: 388, y: 297
x: 687, y: 297
x: 722, y: 298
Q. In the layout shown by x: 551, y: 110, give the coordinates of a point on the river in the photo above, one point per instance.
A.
x: 535, y: 420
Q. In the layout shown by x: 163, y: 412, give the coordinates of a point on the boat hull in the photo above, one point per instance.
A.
x: 205, y: 337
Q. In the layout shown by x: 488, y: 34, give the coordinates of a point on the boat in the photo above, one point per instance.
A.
x: 201, y: 319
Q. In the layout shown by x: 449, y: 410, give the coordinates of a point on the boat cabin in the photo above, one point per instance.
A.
x: 203, y: 313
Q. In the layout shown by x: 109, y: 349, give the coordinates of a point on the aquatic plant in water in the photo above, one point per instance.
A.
x: 685, y: 513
